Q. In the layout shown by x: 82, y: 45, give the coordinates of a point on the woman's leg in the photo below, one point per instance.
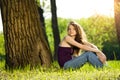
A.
x: 76, y: 62
x: 93, y: 59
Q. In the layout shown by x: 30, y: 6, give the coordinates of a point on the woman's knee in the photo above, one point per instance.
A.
x: 93, y: 59
x: 91, y: 54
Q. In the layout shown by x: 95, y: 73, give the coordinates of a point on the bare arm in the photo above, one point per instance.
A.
x: 71, y: 41
x: 90, y: 44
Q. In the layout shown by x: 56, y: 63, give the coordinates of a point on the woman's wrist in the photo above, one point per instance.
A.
x: 98, y: 51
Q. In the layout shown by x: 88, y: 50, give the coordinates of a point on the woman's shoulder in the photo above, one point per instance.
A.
x: 65, y: 41
x: 67, y: 37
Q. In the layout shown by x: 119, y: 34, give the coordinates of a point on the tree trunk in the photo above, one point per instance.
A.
x: 117, y: 17
x: 24, y: 40
x: 55, y: 27
x: 40, y: 10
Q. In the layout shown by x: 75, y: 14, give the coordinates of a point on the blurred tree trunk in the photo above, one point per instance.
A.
x: 25, y: 43
x: 117, y: 17
x: 55, y: 27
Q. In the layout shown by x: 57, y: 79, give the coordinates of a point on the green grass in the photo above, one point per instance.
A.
x: 87, y: 72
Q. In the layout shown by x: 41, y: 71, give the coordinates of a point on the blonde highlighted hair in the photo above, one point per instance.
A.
x: 80, y: 34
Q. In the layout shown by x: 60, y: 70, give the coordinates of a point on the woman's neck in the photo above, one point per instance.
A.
x: 73, y: 37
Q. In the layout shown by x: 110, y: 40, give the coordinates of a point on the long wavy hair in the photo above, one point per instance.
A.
x: 80, y: 35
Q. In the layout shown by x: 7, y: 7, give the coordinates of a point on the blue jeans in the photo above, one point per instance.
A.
x: 82, y: 59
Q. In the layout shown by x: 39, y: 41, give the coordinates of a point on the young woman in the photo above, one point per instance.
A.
x: 73, y: 44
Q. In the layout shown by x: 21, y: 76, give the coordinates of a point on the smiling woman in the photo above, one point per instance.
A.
x: 84, y: 8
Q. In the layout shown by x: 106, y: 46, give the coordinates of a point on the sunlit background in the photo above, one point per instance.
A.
x: 84, y: 8
x: 80, y: 8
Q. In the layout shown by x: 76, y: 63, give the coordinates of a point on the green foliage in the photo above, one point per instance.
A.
x: 100, y: 31
x: 2, y: 51
x: 38, y: 2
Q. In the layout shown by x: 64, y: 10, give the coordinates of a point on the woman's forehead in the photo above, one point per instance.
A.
x: 71, y: 26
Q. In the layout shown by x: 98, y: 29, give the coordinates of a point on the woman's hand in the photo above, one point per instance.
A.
x: 101, y: 57
x: 93, y: 46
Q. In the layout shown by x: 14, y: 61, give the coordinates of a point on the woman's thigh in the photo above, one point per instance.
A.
x: 76, y: 62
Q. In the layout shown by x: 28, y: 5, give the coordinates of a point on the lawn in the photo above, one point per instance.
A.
x: 87, y: 72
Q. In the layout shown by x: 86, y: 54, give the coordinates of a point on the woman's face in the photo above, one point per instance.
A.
x: 71, y: 31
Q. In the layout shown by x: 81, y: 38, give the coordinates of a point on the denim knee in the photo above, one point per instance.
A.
x: 94, y: 60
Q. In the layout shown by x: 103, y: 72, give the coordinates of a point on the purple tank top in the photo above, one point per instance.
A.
x: 64, y: 55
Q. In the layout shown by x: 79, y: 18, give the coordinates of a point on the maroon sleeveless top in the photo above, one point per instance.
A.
x: 64, y: 55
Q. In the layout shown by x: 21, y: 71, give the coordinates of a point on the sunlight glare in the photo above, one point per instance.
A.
x: 84, y: 8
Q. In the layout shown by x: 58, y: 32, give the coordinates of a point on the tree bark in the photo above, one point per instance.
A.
x: 55, y: 27
x: 24, y: 40
x: 40, y: 10
x: 117, y: 17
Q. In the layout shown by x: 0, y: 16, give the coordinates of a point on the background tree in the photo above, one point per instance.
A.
x: 24, y: 40
x: 55, y: 27
x: 117, y: 17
